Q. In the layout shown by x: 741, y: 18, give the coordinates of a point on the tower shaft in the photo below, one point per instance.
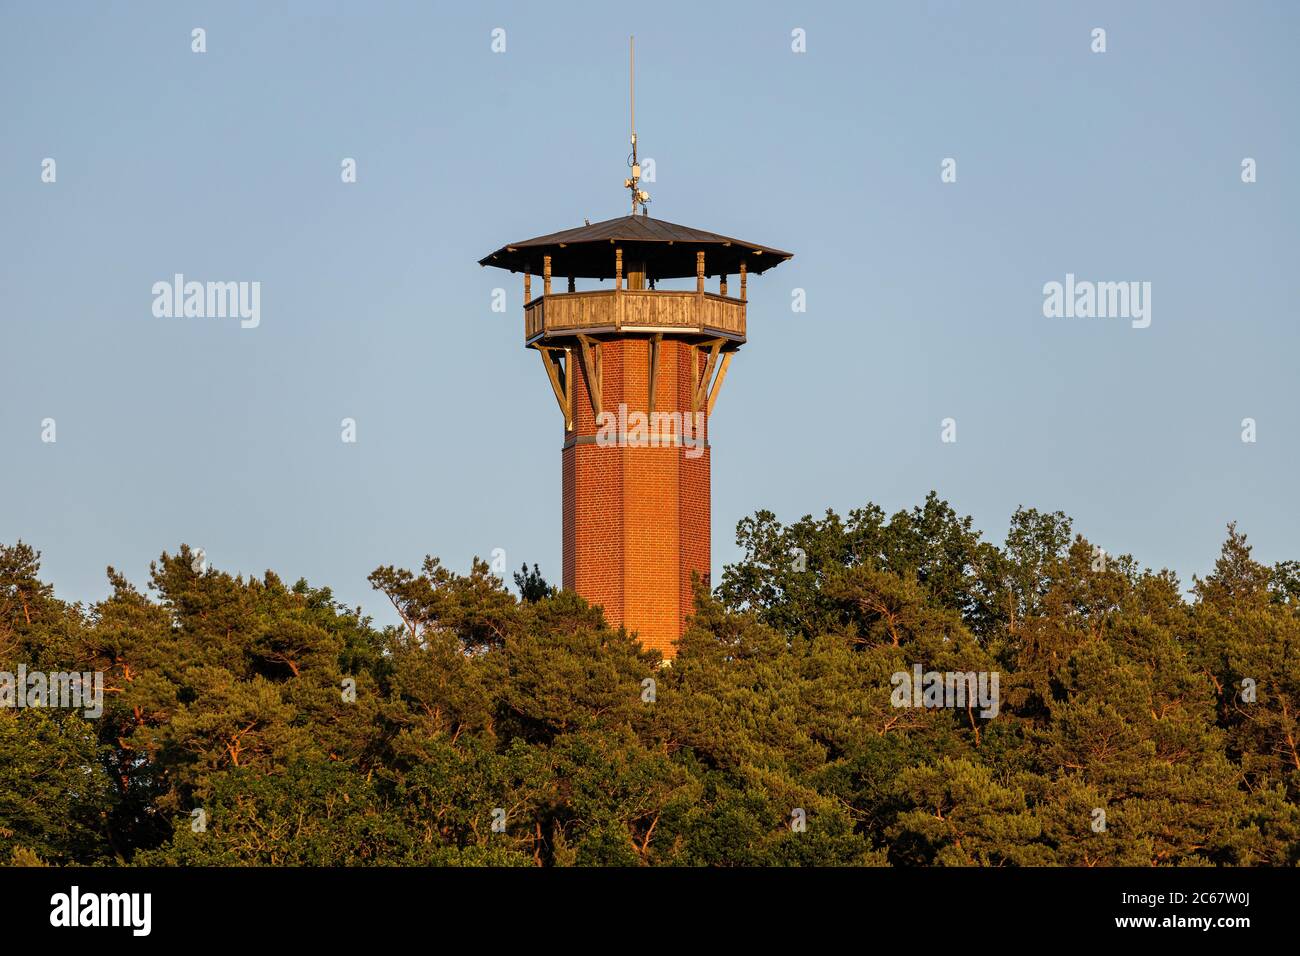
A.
x: 636, y: 491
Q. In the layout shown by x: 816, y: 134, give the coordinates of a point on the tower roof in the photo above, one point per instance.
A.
x: 667, y: 249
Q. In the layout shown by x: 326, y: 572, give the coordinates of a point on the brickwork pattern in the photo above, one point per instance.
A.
x: 636, y: 519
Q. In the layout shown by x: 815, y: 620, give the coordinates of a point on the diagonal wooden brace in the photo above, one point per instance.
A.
x: 700, y: 392
x: 654, y: 370
x: 560, y: 385
x: 591, y: 365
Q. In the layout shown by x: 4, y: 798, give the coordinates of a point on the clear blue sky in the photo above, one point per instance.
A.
x: 924, y: 299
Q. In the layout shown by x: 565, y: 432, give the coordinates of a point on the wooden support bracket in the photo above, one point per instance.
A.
x: 568, y: 389
x: 654, y: 370
x: 592, y: 365
x: 717, y: 381
x: 701, y: 390
x: 561, y: 384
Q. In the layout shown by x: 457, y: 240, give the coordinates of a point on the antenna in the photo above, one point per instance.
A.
x: 639, y: 196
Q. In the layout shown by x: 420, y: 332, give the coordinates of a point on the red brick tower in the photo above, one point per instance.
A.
x: 636, y: 370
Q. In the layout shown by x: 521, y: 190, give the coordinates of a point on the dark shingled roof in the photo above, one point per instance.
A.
x: 668, y: 250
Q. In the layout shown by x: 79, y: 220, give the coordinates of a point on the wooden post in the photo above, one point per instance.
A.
x: 618, y: 288
x: 699, y: 290
x: 528, y: 287
x: 722, y: 286
x: 572, y: 287
x: 743, y: 276
x: 546, y: 275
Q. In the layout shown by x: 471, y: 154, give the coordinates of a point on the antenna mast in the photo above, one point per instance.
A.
x: 639, y: 196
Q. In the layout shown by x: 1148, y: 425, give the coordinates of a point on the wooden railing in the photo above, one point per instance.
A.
x: 617, y: 310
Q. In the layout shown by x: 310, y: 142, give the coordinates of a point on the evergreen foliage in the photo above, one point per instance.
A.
x: 489, y: 730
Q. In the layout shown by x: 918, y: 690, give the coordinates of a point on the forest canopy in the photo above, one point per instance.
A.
x: 254, y: 722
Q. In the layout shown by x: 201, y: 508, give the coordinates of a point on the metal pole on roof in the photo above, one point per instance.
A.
x: 639, y: 197
x: 631, y: 88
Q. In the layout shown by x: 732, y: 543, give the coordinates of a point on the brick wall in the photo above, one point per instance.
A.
x: 636, y: 519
